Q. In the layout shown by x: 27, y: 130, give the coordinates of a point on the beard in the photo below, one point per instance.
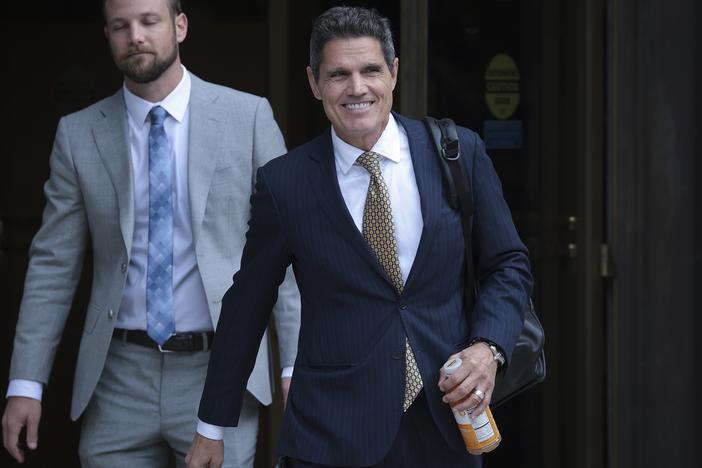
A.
x: 146, y: 70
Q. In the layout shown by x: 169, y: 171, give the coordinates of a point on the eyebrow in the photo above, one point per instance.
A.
x: 337, y: 70
x: 370, y: 67
x: 147, y: 14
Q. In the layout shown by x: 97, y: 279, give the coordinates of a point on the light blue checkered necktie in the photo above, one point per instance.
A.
x: 160, y: 320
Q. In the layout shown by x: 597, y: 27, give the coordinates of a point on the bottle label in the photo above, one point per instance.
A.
x: 482, y: 427
x: 479, y: 433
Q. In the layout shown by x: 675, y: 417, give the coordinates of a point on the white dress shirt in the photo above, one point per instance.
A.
x: 398, y: 173
x: 189, y: 299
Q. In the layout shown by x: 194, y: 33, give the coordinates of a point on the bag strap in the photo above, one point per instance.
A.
x: 458, y: 187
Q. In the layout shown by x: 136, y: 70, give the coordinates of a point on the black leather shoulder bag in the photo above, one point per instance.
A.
x: 528, y: 364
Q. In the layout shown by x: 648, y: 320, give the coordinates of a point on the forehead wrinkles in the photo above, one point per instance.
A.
x: 352, y: 51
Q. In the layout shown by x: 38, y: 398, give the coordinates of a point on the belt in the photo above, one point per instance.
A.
x: 178, y: 342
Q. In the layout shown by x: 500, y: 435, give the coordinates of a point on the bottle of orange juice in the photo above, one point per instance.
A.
x: 479, y: 432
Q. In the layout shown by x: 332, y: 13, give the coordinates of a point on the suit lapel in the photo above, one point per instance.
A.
x: 428, y: 176
x: 325, y: 184
x: 110, y: 135
x: 207, y: 125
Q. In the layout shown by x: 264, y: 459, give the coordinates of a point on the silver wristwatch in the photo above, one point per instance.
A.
x: 497, y: 355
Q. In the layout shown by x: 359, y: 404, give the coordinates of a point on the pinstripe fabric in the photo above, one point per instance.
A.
x: 345, y: 402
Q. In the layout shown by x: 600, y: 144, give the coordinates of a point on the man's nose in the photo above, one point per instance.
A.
x: 136, y: 34
x: 357, y: 85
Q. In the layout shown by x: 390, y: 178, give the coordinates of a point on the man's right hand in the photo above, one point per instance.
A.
x: 20, y: 412
x: 205, y: 453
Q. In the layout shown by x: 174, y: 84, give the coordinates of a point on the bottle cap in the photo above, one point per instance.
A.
x: 452, y: 366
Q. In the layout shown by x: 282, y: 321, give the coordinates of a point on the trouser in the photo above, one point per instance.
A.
x: 418, y: 444
x: 143, y: 413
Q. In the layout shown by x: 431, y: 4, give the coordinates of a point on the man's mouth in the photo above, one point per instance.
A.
x: 137, y: 53
x: 357, y: 106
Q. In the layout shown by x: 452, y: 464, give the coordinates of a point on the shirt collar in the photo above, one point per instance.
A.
x: 388, y: 146
x: 176, y: 103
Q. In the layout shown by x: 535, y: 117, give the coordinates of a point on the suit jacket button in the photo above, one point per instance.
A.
x: 397, y: 355
x: 403, y: 306
x: 124, y: 268
x: 110, y: 313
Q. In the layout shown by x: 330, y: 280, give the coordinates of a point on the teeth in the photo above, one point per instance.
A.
x: 358, y: 105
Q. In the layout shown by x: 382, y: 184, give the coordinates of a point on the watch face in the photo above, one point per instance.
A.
x: 497, y: 355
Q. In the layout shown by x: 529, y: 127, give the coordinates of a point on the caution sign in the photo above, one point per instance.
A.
x: 502, y: 86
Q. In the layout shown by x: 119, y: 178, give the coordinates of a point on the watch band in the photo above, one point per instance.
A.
x: 496, y: 353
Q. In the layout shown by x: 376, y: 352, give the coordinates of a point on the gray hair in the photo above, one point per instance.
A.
x: 344, y: 22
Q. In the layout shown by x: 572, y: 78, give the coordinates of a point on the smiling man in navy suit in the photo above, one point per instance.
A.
x: 379, y: 259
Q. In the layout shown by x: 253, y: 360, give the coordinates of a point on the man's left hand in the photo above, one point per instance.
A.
x: 470, y: 386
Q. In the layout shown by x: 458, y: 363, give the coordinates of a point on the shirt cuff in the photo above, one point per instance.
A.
x: 287, y: 372
x: 25, y: 388
x: 210, y: 431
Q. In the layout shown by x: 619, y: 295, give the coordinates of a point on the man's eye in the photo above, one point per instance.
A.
x: 150, y: 20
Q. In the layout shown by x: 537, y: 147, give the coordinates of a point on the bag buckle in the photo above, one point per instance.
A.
x: 450, y: 149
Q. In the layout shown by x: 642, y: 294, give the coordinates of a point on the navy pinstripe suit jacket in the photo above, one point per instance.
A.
x: 345, y: 401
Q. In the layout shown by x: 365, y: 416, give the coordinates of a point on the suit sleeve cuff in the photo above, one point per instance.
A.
x: 25, y: 388
x: 287, y: 372
x: 210, y: 431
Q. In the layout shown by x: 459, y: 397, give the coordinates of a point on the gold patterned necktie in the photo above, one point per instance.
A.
x: 379, y: 233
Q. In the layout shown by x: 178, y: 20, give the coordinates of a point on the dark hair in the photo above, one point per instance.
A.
x: 345, y: 22
x: 173, y: 5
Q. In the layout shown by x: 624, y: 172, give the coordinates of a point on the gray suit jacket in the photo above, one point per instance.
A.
x: 90, y: 198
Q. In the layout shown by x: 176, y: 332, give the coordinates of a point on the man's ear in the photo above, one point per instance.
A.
x: 313, y: 84
x: 181, y: 27
x: 394, y: 71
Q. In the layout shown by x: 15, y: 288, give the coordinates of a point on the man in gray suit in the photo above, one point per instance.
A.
x: 157, y: 179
